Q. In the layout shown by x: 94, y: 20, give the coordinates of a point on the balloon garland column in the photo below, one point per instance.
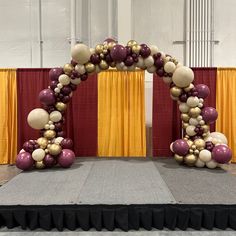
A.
x: 198, y: 148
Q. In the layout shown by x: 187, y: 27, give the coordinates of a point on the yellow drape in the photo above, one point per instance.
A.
x: 225, y: 105
x: 121, y: 114
x: 8, y: 116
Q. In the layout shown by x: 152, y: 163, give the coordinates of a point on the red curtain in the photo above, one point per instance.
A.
x: 207, y: 76
x: 81, y: 122
x: 165, y: 119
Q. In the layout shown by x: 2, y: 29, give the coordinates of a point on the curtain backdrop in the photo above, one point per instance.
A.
x: 207, y: 76
x: 121, y: 114
x: 165, y: 119
x: 225, y: 104
x: 81, y: 123
x: 8, y: 117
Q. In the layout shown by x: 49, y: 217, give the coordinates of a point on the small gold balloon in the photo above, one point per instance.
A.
x: 190, y: 151
x: 113, y: 64
x: 68, y: 68
x: 111, y: 45
x: 194, y: 112
x: 60, y: 106
x: 196, y: 152
x: 42, y: 142
x: 193, y: 147
x: 101, y: 55
x: 49, y: 134
x: 54, y: 149
x: 186, y: 136
x: 103, y: 65
x: 105, y: 47
x: 187, y: 89
x: 190, y: 159
x: 99, y: 48
x: 190, y: 143
x: 200, y: 143
x: 105, y: 51
x: 136, y: 48
x: 39, y: 165
x: 175, y: 91
x: 204, y: 135
x: 132, y: 43
x: 206, y: 128
x: 185, y: 117
x: 89, y: 67
x: 185, y: 125
x: 179, y: 158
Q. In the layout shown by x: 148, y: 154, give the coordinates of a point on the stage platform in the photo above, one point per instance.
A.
x: 120, y: 193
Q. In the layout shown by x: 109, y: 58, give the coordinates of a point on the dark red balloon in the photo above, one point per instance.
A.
x: 67, y: 143
x: 109, y: 40
x: 24, y: 161
x: 203, y: 90
x: 54, y: 73
x: 66, y: 158
x: 159, y: 63
x: 160, y: 72
x: 66, y: 90
x: 183, y: 97
x: 95, y: 59
x: 73, y: 63
x: 28, y: 146
x: 47, y: 97
x: 118, y: 53
x: 65, y: 99
x: 73, y: 87
x: 84, y: 77
x: 58, y: 126
x: 145, y: 51
x: 209, y: 114
x: 221, y: 154
x: 180, y: 147
x: 61, y: 134
x: 53, y: 84
x: 49, y: 161
x: 129, y: 61
x: 128, y: 50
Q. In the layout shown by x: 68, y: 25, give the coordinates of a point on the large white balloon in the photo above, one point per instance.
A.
x: 64, y: 79
x: 190, y: 130
x: 183, y: 76
x: 149, y: 61
x: 81, y: 53
x: 154, y: 49
x: 193, y: 101
x: 205, y: 155
x: 169, y: 67
x: 55, y: 116
x: 38, y: 154
x: 211, y: 164
x: 219, y: 137
x: 183, y: 107
x: 38, y: 118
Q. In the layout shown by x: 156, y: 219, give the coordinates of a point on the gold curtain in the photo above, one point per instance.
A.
x: 225, y: 105
x: 8, y: 116
x: 121, y: 114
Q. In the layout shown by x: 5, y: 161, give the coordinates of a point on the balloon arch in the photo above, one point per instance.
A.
x: 198, y: 147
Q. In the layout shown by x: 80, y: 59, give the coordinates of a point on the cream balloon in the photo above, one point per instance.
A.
x: 190, y: 130
x: 58, y: 140
x: 169, y: 67
x: 154, y: 49
x: 80, y: 69
x: 193, y: 121
x: 199, y: 163
x: 75, y: 81
x: 140, y: 62
x: 81, y: 53
x: 183, y: 76
x: 205, y: 155
x: 149, y: 61
x: 211, y: 164
x: 171, y: 146
x: 64, y: 79
x: 167, y: 79
x: 151, y: 69
x: 219, y: 136
x: 193, y: 101
x: 38, y: 154
x: 38, y: 118
x: 92, y: 50
x: 183, y: 107
x: 55, y: 116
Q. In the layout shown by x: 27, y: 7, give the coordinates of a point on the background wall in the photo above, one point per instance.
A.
x: 33, y: 38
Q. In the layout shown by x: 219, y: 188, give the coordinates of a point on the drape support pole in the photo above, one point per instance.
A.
x: 72, y: 23
x: 40, y: 35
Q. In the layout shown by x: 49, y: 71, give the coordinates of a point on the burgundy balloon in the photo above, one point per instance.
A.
x: 109, y: 40
x: 61, y: 134
x: 50, y: 109
x: 118, y: 53
x: 221, y: 154
x: 73, y: 87
x: 65, y: 99
x: 108, y: 58
x: 129, y: 61
x: 145, y: 51
x: 67, y: 143
x: 58, y: 126
x: 128, y: 50
x: 53, y: 84
x: 49, y: 161
x: 75, y: 74
x: 24, y: 161
x: 203, y: 90
x: 47, y: 97
x: 95, y: 59
x: 180, y: 147
x: 54, y: 73
x: 159, y: 63
x: 160, y: 72
x: 84, y: 77
x: 28, y: 146
x: 73, y: 63
x: 209, y: 114
x: 66, y: 90
x: 157, y: 56
x: 66, y: 158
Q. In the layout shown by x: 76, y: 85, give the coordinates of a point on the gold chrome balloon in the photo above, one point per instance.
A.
x: 103, y: 65
x: 200, y: 143
x: 190, y: 159
x: 175, y: 91
x: 185, y: 117
x: 179, y: 158
x: 113, y: 64
x: 60, y: 106
x: 196, y: 152
x: 194, y: 112
x: 49, y: 134
x: 111, y: 45
x: 206, y: 128
x: 187, y: 89
x: 185, y: 125
x: 99, y: 48
x: 131, y: 43
x: 136, y: 48
x: 39, y: 165
x: 193, y: 147
x: 101, y: 55
x: 42, y: 142
x: 190, y: 151
x: 190, y: 143
x: 89, y: 67
x: 54, y: 149
x: 68, y: 68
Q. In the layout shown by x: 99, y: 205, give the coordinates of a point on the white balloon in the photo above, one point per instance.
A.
x: 149, y: 61
x: 47, y: 126
x: 205, y: 155
x: 152, y: 69
x: 64, y: 79
x: 57, y: 90
x: 60, y: 85
x: 22, y: 150
x: 183, y: 107
x: 38, y: 154
x: 167, y: 79
x: 38, y: 118
x: 154, y: 49
x: 140, y: 62
x: 52, y: 127
x: 81, y: 53
x: 80, y: 69
x: 169, y: 67
x: 92, y: 50
x: 58, y: 140
x: 183, y: 76
x: 193, y: 101
x: 193, y: 121
x: 171, y: 146
x: 55, y: 116
x: 75, y: 81
x: 199, y: 163
x: 163, y: 55
x: 221, y: 137
x: 179, y: 65
x: 190, y: 130
x: 211, y: 164
x: 130, y: 68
